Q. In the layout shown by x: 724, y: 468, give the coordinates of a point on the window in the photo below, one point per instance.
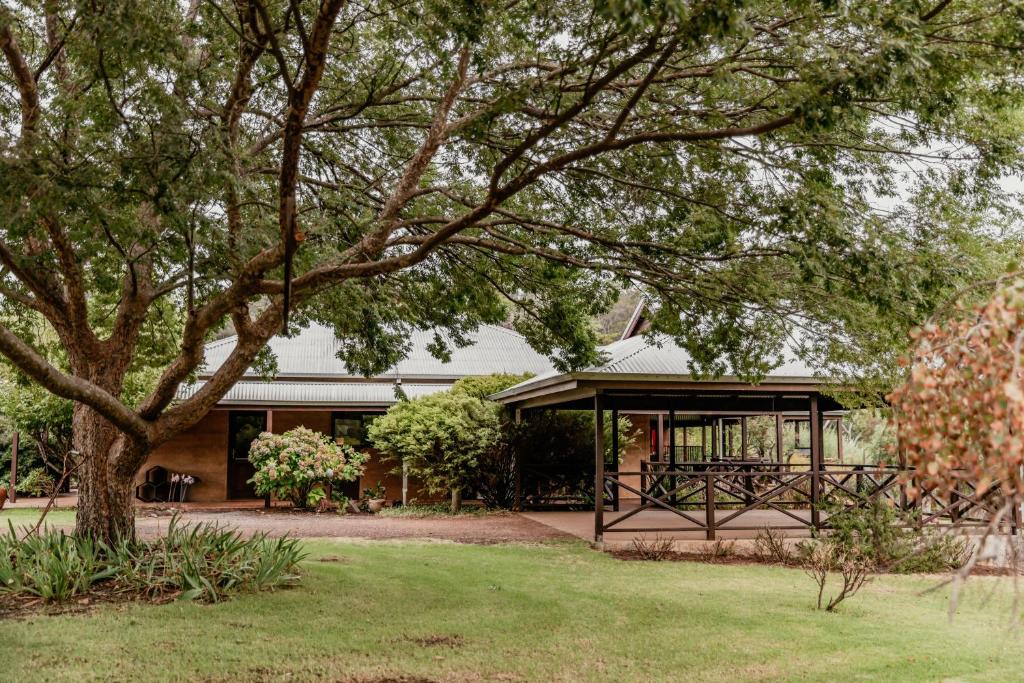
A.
x: 350, y: 427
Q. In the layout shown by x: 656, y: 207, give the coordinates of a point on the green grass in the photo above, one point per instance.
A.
x: 369, y: 611
x: 29, y: 516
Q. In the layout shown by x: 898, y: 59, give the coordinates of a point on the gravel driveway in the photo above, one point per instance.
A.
x: 493, y: 528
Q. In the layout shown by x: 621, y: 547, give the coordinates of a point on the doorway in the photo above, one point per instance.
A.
x: 243, y: 427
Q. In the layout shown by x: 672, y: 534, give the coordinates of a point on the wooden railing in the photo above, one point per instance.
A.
x: 710, y: 496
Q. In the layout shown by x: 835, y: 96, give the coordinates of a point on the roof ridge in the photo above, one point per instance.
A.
x: 644, y: 344
x: 217, y: 342
x: 501, y: 328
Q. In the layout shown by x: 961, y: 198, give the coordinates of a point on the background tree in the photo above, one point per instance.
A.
x: 45, y: 421
x: 960, y: 414
x: 419, y: 164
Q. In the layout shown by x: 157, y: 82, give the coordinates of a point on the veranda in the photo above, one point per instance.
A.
x: 706, y: 486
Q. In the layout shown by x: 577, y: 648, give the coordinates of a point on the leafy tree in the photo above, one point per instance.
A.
x: 440, y: 438
x: 960, y: 413
x: 420, y: 164
x: 45, y: 419
x: 483, y: 386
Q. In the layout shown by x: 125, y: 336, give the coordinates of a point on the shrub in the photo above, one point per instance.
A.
x: 889, y: 540
x: 556, y: 453
x: 770, y: 546
x: 655, y: 550
x: 201, y: 562
x: 293, y: 465
x: 825, y: 558
x: 720, y: 549
x: 50, y: 565
x: 204, y: 562
x: 36, y: 483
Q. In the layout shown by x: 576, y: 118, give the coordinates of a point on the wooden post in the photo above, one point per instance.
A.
x: 598, y: 469
x: 672, y: 436
x: 778, y: 437
x: 709, y: 505
x: 517, y: 503
x: 816, y: 444
x: 839, y: 438
x: 270, y: 428
x: 615, y: 456
x: 686, y: 443
x: 703, y: 438
x: 672, y: 450
x: 714, y: 439
x: 743, y: 438
x: 13, y: 492
x: 660, y: 443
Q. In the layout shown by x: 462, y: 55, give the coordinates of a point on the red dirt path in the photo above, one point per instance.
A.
x: 494, y: 528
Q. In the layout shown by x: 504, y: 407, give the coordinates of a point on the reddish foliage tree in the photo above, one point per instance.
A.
x: 960, y: 413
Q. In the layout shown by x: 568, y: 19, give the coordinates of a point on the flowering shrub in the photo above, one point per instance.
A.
x: 295, y: 464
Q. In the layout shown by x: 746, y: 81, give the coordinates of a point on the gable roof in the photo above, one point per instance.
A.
x: 313, y: 354
x: 656, y: 358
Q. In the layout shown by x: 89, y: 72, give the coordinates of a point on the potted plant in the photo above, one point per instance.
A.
x: 374, y: 498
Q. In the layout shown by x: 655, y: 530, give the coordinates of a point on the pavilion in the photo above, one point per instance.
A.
x: 706, y: 485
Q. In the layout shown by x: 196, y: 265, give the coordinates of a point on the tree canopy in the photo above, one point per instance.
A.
x: 763, y: 170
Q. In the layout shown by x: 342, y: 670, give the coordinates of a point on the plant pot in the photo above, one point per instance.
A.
x: 375, y: 505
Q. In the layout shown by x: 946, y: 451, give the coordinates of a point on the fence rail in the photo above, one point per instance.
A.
x: 712, y: 495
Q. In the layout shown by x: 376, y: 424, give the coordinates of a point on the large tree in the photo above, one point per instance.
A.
x: 758, y: 167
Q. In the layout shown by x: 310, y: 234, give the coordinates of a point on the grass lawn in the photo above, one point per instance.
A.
x: 29, y: 516
x: 375, y: 611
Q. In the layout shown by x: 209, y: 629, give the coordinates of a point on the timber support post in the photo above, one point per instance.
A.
x: 13, y: 492
x: 598, y: 469
x: 517, y: 502
x: 778, y: 437
x: 816, y: 463
x: 615, y: 457
x: 672, y: 452
x: 709, y: 505
x: 703, y: 439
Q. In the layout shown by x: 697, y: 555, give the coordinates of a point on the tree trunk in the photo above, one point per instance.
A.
x: 456, y: 500
x: 105, y: 479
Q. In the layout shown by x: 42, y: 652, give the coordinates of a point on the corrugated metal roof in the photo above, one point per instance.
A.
x: 661, y: 357
x: 313, y: 352
x: 316, y: 393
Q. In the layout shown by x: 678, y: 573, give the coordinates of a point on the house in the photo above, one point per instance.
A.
x: 313, y: 388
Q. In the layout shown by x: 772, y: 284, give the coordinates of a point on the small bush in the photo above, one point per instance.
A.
x: 204, y: 562
x: 36, y: 483
x: 889, y: 540
x: 824, y: 559
x: 770, y: 546
x: 51, y: 565
x: 655, y: 550
x: 201, y: 562
x: 720, y: 550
